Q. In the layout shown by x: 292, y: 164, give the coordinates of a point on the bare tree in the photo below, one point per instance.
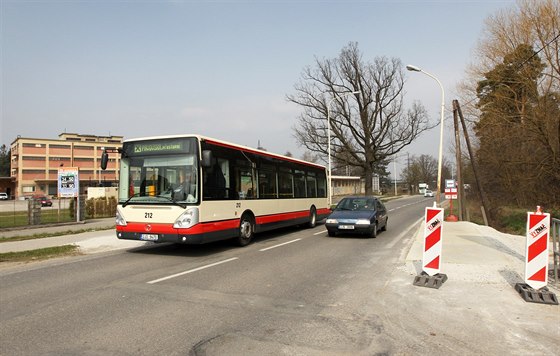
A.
x: 366, y: 128
x: 310, y: 157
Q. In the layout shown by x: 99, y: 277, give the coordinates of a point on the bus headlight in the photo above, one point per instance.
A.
x: 187, y: 219
x: 119, y: 220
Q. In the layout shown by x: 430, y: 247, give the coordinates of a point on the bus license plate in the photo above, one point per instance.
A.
x: 346, y: 227
x: 149, y: 237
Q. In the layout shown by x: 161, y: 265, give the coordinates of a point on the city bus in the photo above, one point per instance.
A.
x: 233, y: 191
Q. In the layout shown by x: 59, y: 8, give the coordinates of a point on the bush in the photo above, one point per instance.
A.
x: 101, y: 207
x: 512, y: 220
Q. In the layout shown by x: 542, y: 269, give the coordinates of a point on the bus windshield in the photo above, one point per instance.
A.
x: 159, y: 179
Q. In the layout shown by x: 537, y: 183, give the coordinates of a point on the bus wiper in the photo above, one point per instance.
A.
x: 128, y: 200
x: 173, y: 201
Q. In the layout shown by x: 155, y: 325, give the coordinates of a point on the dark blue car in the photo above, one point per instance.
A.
x: 357, y: 215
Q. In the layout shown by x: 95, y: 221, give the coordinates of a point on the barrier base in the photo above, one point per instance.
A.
x: 425, y: 280
x: 529, y: 294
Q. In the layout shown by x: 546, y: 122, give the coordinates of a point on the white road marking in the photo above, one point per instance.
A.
x: 320, y: 232
x: 282, y: 244
x: 191, y: 271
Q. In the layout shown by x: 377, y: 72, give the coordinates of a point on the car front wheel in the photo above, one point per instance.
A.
x: 374, y: 231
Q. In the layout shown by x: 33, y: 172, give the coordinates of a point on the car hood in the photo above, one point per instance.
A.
x: 352, y: 214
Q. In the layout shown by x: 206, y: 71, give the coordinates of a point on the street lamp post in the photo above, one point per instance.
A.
x: 329, y: 136
x: 440, y: 154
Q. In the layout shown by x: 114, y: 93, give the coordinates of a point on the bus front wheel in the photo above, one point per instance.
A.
x: 246, y: 230
x: 312, y: 218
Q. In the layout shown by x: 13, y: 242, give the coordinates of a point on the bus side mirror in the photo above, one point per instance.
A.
x: 104, y: 160
x: 207, y: 158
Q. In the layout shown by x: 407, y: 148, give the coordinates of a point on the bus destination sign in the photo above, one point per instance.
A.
x: 158, y: 147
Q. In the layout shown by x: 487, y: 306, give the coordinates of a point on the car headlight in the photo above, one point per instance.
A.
x: 119, y: 220
x: 363, y: 222
x: 188, y: 219
x: 332, y: 221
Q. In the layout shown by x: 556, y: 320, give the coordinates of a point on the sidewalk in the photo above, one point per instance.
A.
x: 475, y: 253
x: 89, y: 242
x: 94, y: 224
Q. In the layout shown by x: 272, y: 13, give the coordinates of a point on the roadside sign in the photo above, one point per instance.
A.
x: 536, y: 252
x: 431, y: 255
x: 450, y: 183
x: 450, y: 193
x: 68, y: 182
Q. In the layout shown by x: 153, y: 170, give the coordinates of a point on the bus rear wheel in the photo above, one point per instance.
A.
x: 246, y: 230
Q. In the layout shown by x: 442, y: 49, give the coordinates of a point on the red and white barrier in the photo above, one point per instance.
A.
x: 536, y: 252
x: 431, y: 256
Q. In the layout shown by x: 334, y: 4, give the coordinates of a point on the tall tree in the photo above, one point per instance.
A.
x: 515, y: 83
x: 512, y: 129
x: 366, y: 128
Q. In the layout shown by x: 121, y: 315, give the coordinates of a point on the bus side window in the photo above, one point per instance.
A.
x: 216, y: 180
x: 244, y: 184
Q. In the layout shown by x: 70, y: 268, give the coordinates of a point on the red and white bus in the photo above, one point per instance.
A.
x: 233, y: 192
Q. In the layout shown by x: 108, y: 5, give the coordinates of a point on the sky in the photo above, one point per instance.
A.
x: 217, y: 68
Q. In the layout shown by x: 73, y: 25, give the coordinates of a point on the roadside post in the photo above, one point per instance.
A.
x: 431, y: 252
x: 536, y: 260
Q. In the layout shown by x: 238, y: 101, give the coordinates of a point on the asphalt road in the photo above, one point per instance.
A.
x: 291, y: 292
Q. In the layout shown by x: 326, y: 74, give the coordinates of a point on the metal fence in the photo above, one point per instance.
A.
x: 18, y: 213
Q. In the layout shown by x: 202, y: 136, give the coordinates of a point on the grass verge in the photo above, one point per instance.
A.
x: 40, y: 254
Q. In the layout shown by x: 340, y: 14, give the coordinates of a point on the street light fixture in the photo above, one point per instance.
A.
x: 416, y: 69
x: 329, y: 135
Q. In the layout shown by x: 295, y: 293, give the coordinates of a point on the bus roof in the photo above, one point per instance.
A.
x: 226, y: 144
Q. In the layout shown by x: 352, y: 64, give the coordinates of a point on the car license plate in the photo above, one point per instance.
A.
x: 149, y: 237
x: 346, y: 227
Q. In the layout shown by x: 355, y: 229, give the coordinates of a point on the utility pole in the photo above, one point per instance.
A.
x: 408, y: 174
x: 481, y: 193
x: 460, y: 183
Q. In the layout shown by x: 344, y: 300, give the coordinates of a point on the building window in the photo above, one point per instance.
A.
x: 32, y: 158
x: 28, y: 188
x: 33, y: 171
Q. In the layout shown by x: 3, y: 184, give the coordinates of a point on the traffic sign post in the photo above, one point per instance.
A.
x: 451, y: 193
x: 536, y: 260
x: 431, y: 254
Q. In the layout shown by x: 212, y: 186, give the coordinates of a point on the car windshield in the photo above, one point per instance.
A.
x: 356, y: 204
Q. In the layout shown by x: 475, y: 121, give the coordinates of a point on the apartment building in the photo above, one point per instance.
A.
x: 35, y: 162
